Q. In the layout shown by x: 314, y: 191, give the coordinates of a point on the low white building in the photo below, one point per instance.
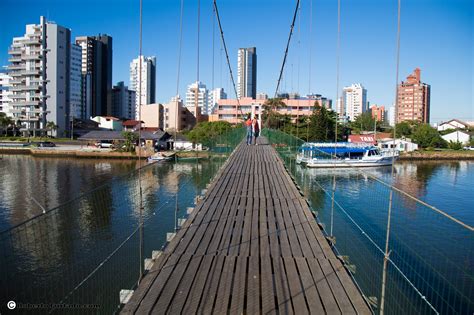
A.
x: 402, y: 145
x: 108, y: 123
x: 457, y: 136
x: 453, y: 124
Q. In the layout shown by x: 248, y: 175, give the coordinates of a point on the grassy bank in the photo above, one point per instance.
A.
x: 438, y: 155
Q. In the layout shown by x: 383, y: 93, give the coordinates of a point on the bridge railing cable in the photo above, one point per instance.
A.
x: 431, y: 251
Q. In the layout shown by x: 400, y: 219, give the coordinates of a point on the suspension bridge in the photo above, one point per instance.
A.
x: 250, y: 246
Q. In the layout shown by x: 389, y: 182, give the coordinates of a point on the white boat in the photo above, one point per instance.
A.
x: 344, y: 154
x: 160, y: 156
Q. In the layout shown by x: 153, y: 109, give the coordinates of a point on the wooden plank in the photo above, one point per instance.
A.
x: 281, y: 229
x: 290, y: 230
x: 246, y: 232
x: 196, y: 290
x: 237, y: 302
x: 322, y: 286
x: 309, y: 287
x: 294, y: 283
x: 209, y: 293
x: 294, y: 207
x: 253, y: 286
x: 281, y: 287
x: 225, y: 286
x: 268, y: 292
x: 263, y: 230
x: 353, y: 293
x: 175, y: 303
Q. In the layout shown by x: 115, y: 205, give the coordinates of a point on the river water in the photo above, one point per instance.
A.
x: 48, y: 257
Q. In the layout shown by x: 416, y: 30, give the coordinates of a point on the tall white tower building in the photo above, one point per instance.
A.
x: 355, y: 100
x: 148, y: 77
x: 247, y: 72
x: 40, y: 65
x: 5, y: 94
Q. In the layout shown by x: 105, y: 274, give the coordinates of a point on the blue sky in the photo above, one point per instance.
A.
x: 436, y: 35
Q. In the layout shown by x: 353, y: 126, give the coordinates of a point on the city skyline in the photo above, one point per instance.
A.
x: 371, y: 43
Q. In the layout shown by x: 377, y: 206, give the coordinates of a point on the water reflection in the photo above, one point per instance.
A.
x: 44, y: 258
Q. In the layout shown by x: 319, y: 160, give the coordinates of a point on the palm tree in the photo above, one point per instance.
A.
x: 270, y: 107
x: 50, y: 125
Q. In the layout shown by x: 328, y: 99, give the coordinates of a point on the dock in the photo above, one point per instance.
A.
x: 250, y: 246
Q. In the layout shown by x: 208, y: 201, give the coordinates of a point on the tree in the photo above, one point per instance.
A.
x: 5, y: 122
x: 51, y: 126
x: 204, y: 131
x: 131, y: 139
x: 406, y: 128
x: 427, y: 136
x: 322, y: 126
x: 270, y: 116
x: 364, y: 122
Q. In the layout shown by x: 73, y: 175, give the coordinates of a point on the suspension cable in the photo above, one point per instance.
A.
x: 178, y: 70
x: 387, y: 237
x: 216, y: 10
x: 287, y: 46
x: 140, y: 144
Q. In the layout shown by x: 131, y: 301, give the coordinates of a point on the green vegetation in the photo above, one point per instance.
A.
x: 428, y: 137
x: 131, y: 139
x: 455, y: 145
x: 270, y: 116
x: 5, y: 122
x: 204, y: 131
x: 364, y: 122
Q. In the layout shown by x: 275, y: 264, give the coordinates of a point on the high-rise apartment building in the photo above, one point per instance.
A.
x: 123, y: 101
x: 247, y: 72
x: 413, y: 99
x: 214, y: 96
x: 147, y: 95
x: 75, y: 80
x: 197, y: 99
x: 40, y: 71
x: 5, y: 94
x: 96, y: 74
x: 378, y: 112
x: 355, y: 100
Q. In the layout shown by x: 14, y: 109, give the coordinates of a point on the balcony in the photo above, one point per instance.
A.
x: 31, y: 56
x: 17, y: 81
x: 25, y: 103
x: 14, y: 59
x: 31, y: 72
x: 17, y: 96
x: 16, y: 67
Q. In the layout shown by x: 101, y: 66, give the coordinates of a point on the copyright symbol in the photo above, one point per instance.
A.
x: 11, y: 305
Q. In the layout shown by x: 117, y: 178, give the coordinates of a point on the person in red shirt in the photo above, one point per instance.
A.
x: 248, y: 124
x: 256, y: 128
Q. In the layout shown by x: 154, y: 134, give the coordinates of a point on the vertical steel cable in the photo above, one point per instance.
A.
x: 142, y: 261
x: 310, y: 43
x: 389, y: 214
x: 338, y: 49
x: 178, y: 70
x: 287, y: 46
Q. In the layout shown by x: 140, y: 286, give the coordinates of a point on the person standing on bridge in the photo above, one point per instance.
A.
x: 248, y: 124
x: 256, y: 128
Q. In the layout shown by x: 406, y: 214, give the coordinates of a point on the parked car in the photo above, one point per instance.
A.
x: 104, y: 144
x: 46, y: 144
x: 469, y: 148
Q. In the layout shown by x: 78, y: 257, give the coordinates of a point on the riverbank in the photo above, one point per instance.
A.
x: 92, y: 153
x: 437, y: 155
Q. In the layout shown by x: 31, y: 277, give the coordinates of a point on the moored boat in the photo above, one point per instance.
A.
x: 160, y: 156
x: 344, y: 154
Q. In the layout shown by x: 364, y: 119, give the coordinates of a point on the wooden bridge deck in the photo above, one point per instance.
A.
x: 250, y: 246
